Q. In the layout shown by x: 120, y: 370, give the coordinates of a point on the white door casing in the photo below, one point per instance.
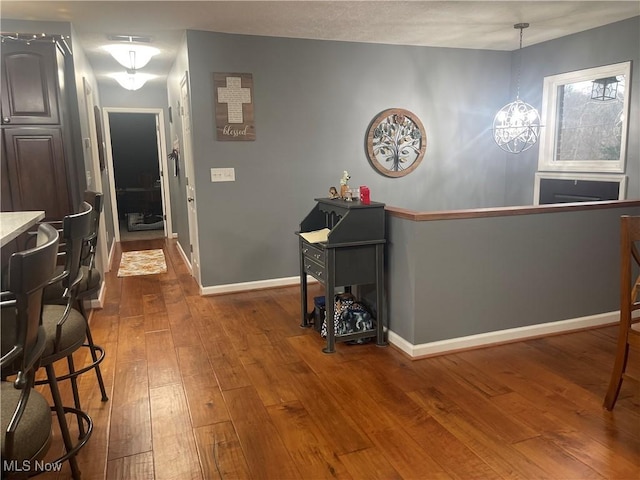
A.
x: 162, y: 164
x: 164, y: 175
x: 95, y: 182
x: 187, y: 155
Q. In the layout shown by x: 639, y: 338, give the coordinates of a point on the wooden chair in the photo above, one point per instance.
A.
x: 26, y: 416
x: 628, y: 336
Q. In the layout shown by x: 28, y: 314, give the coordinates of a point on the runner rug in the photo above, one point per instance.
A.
x: 142, y: 262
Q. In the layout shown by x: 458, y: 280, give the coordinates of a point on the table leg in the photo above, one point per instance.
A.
x: 303, y: 291
x: 380, y: 304
x: 330, y: 288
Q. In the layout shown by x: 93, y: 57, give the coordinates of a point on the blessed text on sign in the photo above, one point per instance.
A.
x: 233, y: 94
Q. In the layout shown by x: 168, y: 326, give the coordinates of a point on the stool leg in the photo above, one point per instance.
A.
x: 62, y: 420
x: 76, y: 395
x: 103, y: 391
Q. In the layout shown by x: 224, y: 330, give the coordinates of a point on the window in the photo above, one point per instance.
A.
x: 585, y: 116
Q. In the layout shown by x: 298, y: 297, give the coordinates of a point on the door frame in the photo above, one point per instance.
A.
x: 95, y: 183
x: 162, y: 164
x: 191, y: 197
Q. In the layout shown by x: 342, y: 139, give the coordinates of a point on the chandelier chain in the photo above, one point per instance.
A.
x: 521, y: 26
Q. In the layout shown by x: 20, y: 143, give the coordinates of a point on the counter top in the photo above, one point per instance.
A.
x: 12, y: 224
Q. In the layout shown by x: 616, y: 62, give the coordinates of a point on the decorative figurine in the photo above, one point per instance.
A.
x: 333, y: 193
x: 344, y: 184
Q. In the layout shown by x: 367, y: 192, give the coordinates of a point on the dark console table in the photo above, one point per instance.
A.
x: 353, y: 254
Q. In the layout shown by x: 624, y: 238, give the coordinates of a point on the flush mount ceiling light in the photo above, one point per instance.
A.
x: 131, y: 80
x: 130, y: 55
x: 516, y: 127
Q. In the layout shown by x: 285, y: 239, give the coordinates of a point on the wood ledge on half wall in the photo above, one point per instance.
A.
x: 507, y: 211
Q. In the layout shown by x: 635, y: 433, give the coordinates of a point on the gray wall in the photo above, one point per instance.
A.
x: 452, y: 278
x: 313, y: 102
x: 150, y: 96
x: 83, y: 71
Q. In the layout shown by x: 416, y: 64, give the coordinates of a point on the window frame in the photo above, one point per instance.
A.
x: 546, y: 153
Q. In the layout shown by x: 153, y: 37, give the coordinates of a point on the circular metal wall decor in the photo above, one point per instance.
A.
x: 396, y: 142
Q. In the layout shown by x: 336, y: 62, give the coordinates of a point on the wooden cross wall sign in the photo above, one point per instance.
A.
x: 233, y: 94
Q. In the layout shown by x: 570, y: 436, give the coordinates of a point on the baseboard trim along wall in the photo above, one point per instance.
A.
x: 99, y: 302
x: 246, y: 286
x: 184, y: 256
x: 112, y: 252
x: 502, y: 336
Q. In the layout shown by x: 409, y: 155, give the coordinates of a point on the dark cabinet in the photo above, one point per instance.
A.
x: 37, y: 165
x: 36, y: 170
x: 352, y: 254
x: 29, y: 85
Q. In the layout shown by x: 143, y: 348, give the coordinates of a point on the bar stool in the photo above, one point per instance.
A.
x: 629, y: 303
x: 91, y: 277
x: 26, y: 416
x: 65, y: 329
x: 90, y: 284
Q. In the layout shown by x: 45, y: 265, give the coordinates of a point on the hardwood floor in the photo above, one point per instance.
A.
x: 228, y: 387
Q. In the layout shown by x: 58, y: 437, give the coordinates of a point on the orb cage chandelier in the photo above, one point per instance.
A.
x: 516, y: 126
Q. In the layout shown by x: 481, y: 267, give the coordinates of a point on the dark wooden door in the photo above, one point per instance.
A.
x: 35, y: 166
x: 29, y: 84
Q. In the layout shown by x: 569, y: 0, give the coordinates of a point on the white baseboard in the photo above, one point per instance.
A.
x: 257, y: 285
x: 112, y: 251
x: 98, y: 302
x: 184, y: 256
x: 501, y: 336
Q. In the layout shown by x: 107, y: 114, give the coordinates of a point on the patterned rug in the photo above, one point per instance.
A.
x: 142, y: 262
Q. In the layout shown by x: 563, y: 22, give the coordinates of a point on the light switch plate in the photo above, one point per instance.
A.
x: 223, y: 174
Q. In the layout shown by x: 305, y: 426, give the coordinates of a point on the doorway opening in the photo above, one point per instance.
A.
x: 137, y: 162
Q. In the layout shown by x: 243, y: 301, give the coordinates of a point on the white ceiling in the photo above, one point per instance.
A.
x: 457, y: 24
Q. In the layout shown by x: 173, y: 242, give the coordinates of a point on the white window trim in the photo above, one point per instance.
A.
x: 546, y: 155
x: 589, y: 177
